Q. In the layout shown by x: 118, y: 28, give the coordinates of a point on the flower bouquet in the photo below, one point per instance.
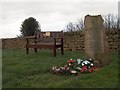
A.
x: 85, y: 65
x: 75, y: 66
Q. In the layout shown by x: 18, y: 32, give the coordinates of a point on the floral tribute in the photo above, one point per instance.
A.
x: 75, y: 67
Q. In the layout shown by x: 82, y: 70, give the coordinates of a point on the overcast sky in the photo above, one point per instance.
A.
x: 51, y: 14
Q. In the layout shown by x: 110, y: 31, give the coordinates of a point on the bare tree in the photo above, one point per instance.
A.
x: 80, y: 25
x: 70, y: 27
x: 111, y: 21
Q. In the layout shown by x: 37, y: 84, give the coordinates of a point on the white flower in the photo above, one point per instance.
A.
x: 78, y: 61
x: 91, y: 64
x: 90, y: 59
x: 86, y: 62
x: 82, y: 64
x: 78, y: 68
x: 58, y: 69
x: 69, y: 63
x: 73, y: 71
x: 54, y: 68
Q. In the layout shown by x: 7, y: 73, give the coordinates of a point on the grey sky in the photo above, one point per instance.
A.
x: 51, y: 15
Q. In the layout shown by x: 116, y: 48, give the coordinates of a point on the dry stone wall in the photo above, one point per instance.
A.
x: 113, y: 38
x: 13, y: 43
x: 16, y: 43
x: 75, y: 40
x: 72, y: 41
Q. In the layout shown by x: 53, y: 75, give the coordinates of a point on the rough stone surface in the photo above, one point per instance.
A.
x: 96, y: 46
x: 72, y: 41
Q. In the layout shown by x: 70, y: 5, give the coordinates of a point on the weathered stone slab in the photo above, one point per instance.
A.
x: 96, y: 46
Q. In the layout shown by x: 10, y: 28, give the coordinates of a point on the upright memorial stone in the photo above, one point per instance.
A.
x: 95, y: 40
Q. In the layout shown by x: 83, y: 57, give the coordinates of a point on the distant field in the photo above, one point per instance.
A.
x: 32, y: 71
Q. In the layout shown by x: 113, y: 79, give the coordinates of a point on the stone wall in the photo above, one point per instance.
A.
x: 72, y: 41
x: 113, y: 38
x: 16, y: 43
x: 75, y: 40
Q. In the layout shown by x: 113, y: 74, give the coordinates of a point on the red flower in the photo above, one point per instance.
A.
x: 70, y: 61
x: 83, y: 70
x: 90, y: 70
x: 85, y: 67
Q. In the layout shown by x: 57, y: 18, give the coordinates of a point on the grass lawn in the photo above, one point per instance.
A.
x: 31, y: 71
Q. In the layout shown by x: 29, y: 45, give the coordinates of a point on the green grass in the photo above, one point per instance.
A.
x: 32, y: 71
